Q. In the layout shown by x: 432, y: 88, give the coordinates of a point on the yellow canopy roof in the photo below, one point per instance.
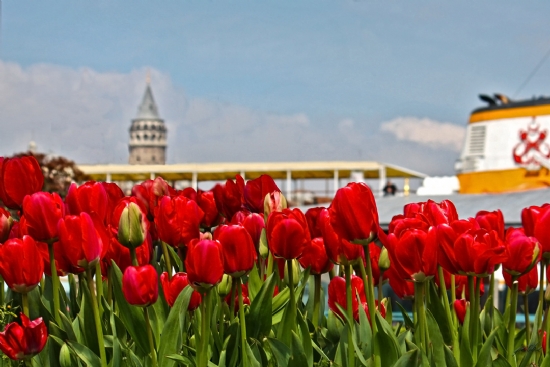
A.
x: 224, y: 171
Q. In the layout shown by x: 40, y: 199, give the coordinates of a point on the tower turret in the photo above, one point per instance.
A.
x: 147, y: 133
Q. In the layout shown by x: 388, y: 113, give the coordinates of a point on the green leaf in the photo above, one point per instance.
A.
x: 484, y: 358
x: 65, y: 357
x: 409, y: 324
x: 87, y: 321
x: 436, y: 340
x: 259, y: 320
x: 131, y: 316
x: 171, y: 336
x: 364, y: 334
x: 409, y: 359
x: 305, y: 338
x: 440, y: 315
x: 390, y: 351
x: 280, y: 351
x: 85, y: 354
x: 254, y: 284
x: 466, y: 358
x: 252, y: 361
x: 450, y: 359
x: 500, y: 361
x: 67, y: 326
x: 298, y: 357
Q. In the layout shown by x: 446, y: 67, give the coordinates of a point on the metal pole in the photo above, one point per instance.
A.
x: 336, y: 181
x: 288, y: 184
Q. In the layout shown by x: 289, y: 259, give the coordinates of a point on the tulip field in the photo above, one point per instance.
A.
x: 232, y: 277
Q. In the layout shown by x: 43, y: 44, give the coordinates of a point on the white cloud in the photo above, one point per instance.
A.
x: 435, y: 134
x: 85, y: 115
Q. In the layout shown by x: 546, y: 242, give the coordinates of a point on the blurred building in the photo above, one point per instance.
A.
x: 147, y: 133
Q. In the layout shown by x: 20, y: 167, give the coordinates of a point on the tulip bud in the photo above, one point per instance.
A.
x: 547, y: 294
x: 6, y: 222
x: 460, y: 307
x: 274, y: 202
x: 384, y: 261
x: 295, y: 273
x: 264, y: 250
x: 131, y: 231
x: 224, y: 287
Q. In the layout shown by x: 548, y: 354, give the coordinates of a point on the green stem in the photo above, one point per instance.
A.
x: 380, y: 287
x: 2, y: 290
x: 317, y: 301
x: 527, y: 323
x: 221, y: 318
x: 270, y: 265
x: 475, y: 318
x: 55, y: 285
x: 150, y: 337
x: 205, y: 328
x: 473, y: 310
x: 99, y: 288
x: 232, y: 301
x: 25, y: 302
x: 541, y: 300
x: 331, y: 274
x: 349, y: 307
x: 97, y: 320
x: 420, y: 322
x: 492, y: 295
x: 243, y: 326
x: 369, y: 291
x: 133, y: 256
x: 445, y: 296
x: 512, y: 322
x: 167, y: 261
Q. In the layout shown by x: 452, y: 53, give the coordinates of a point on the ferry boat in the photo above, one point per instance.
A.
x: 507, y: 148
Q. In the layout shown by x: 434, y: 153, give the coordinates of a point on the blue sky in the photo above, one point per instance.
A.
x: 307, y: 80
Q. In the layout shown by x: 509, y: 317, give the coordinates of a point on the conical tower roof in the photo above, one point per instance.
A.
x: 148, y: 108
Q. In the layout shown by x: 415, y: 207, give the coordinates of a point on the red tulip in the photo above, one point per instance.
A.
x: 42, y: 211
x: 374, y: 253
x: 254, y: 224
x: 229, y: 197
x: 287, y: 233
x: 25, y: 340
x: 121, y: 255
x: 150, y: 192
x: 353, y: 213
x: 6, y: 222
x: 529, y: 217
x: 274, y: 202
x: 467, y: 249
x: 544, y: 342
x: 239, y: 253
x: 80, y: 240
x: 205, y: 200
x: 178, y: 220
x: 522, y: 252
x: 140, y: 285
x: 541, y: 232
x: 404, y: 289
x: 337, y: 295
x: 255, y: 191
x: 19, y: 177
x: 431, y: 212
x: 460, y: 307
x: 204, y: 264
x: 315, y: 257
x: 21, y: 265
x: 527, y: 283
x: 413, y: 251
x: 90, y: 197
x: 338, y: 250
x: 114, y: 195
x: 491, y: 221
x: 312, y: 217
x: 173, y: 287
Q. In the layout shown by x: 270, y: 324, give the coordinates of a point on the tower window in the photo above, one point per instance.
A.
x: 145, y: 126
x: 153, y: 158
x: 145, y: 137
x: 153, y: 137
x: 138, y: 137
x: 138, y: 158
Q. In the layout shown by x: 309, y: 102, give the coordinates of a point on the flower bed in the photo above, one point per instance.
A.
x: 165, y: 277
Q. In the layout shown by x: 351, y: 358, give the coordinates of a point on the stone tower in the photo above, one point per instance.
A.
x: 147, y: 133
